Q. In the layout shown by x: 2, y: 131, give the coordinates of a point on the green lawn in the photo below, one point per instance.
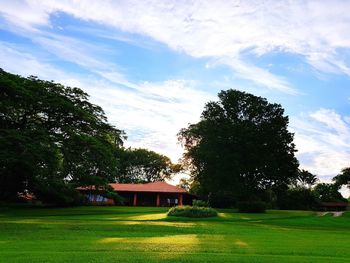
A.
x: 127, y: 234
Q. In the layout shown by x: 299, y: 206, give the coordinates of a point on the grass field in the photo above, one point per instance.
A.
x: 127, y: 234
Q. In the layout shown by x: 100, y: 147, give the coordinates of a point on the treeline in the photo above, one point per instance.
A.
x: 54, y: 140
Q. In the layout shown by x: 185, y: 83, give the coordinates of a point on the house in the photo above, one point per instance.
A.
x: 148, y: 194
x: 333, y: 206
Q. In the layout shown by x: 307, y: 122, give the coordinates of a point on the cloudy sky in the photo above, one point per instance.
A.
x: 152, y: 65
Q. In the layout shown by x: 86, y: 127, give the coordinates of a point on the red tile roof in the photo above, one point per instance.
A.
x: 160, y: 187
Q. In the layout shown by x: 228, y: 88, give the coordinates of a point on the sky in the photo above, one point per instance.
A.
x: 152, y: 65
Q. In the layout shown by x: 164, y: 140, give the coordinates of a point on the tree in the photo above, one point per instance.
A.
x: 143, y: 166
x: 343, y: 178
x: 240, y: 147
x: 306, y: 178
x: 298, y: 198
x: 184, y: 184
x: 328, y: 193
x: 52, y: 139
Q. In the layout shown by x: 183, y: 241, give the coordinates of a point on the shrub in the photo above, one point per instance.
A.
x: 200, y: 203
x: 58, y: 194
x: 192, y: 211
x: 118, y: 200
x: 251, y: 207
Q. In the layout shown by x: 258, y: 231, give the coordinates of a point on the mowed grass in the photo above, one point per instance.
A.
x: 128, y: 234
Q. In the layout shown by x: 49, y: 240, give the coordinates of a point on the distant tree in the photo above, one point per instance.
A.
x: 52, y: 140
x: 184, y: 184
x: 297, y: 198
x: 328, y: 193
x: 305, y: 178
x: 142, y: 166
x: 240, y: 148
x: 343, y: 178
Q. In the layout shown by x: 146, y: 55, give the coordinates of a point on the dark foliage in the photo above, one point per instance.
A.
x: 343, y: 178
x: 328, y: 193
x: 240, y: 148
x: 222, y: 199
x: 298, y: 198
x: 306, y: 179
x: 111, y: 194
x: 200, y: 203
x: 52, y: 140
x: 144, y: 166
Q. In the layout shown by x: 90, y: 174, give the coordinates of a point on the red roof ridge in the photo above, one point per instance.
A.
x: 157, y: 186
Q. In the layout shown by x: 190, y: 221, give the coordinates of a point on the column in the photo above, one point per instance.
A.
x: 180, y: 200
x: 135, y: 199
x: 158, y: 199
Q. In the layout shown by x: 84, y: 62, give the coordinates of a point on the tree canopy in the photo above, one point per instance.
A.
x: 343, y: 178
x: 52, y: 138
x: 143, y: 166
x: 305, y: 178
x: 240, y: 147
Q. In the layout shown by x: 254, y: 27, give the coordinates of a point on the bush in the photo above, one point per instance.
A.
x: 251, y: 207
x: 192, y: 211
x: 200, y: 203
x: 58, y: 194
x: 118, y: 200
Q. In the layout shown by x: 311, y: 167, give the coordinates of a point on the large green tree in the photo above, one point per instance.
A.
x: 240, y: 148
x: 143, y: 166
x: 52, y: 139
x: 343, y: 178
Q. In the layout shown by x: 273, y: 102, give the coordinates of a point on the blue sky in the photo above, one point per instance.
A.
x: 152, y: 65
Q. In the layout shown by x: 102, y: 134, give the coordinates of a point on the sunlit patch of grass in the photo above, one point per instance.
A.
x: 167, y: 247
x: 146, y: 217
x: 169, y: 240
x: 241, y: 243
x: 129, y: 222
x: 172, y: 224
x: 223, y: 215
x: 185, y: 240
x: 109, y: 240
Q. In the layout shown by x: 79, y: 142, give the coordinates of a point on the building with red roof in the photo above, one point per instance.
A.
x: 148, y: 194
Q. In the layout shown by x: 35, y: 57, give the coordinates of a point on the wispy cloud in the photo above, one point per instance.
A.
x: 259, y: 76
x: 323, y: 141
x: 151, y: 113
x: 315, y: 30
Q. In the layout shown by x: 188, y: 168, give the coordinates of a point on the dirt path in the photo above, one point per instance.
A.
x: 335, y: 214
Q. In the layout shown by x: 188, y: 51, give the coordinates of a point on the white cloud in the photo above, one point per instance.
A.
x: 221, y: 30
x: 15, y: 60
x: 259, y: 76
x: 151, y: 113
x: 25, y: 15
x: 323, y: 142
